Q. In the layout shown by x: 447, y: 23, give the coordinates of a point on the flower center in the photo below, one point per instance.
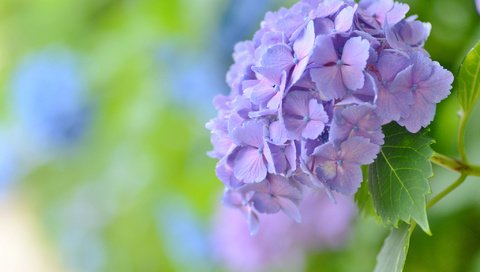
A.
x: 384, y: 83
x: 340, y: 162
x: 295, y: 59
x: 276, y: 88
x: 414, y: 87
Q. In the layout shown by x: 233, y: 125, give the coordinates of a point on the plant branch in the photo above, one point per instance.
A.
x: 455, y: 165
x: 447, y: 190
x: 461, y: 136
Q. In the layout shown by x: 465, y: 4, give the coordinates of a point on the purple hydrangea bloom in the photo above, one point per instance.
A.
x: 303, y: 115
x: 309, y: 96
x: 429, y: 83
x: 357, y: 120
x: 339, y: 165
x: 275, y: 193
x: 336, y: 74
x: 408, y: 34
x: 326, y: 225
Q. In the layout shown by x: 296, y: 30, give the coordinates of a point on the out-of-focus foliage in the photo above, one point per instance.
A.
x: 137, y: 193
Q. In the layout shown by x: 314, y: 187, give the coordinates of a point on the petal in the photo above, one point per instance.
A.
x: 390, y: 63
x: 422, y: 67
x: 324, y: 26
x: 340, y: 132
x: 275, y: 156
x: 344, y: 19
x: 438, y: 86
x: 264, y: 203
x: 348, y: 179
x: 291, y: 155
x: 275, y: 101
x: 282, y: 187
x: 353, y: 77
x: 359, y: 150
x: 328, y: 7
x: 290, y: 209
x: 421, y: 114
x: 377, y: 8
x: 278, y: 56
x: 329, y: 82
x: 407, y: 34
x: 369, y: 126
x: 296, y: 104
x: 261, y: 93
x: 299, y: 70
x: 403, y: 82
x: 397, y: 13
x: 251, y: 133
x: 316, y: 111
x: 232, y: 198
x: 278, y: 133
x: 326, y: 152
x: 272, y: 74
x: 303, y: 46
x: 294, y: 126
x: 391, y: 106
x: 326, y: 170
x: 250, y: 165
x: 313, y: 129
x: 253, y: 222
x: 356, y: 52
x: 225, y: 174
x: 324, y: 51
x: 354, y: 114
x: 366, y: 94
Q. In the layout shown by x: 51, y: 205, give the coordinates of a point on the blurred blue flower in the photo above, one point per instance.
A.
x: 49, y: 98
x: 185, y: 239
x: 190, y: 77
x: 239, y: 20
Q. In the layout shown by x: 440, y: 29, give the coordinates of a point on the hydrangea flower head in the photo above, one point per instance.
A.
x: 309, y: 95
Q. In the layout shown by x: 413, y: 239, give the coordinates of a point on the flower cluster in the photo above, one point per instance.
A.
x: 238, y: 251
x: 309, y: 95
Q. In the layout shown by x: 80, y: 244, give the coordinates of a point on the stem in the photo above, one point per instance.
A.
x: 448, y: 190
x: 455, y: 165
x: 412, y: 227
x: 461, y: 137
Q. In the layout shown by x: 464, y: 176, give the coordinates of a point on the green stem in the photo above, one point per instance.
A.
x: 455, y: 165
x: 412, y: 228
x: 447, y: 190
x: 461, y: 137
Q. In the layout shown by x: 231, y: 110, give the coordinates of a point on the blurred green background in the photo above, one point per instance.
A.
x: 137, y: 191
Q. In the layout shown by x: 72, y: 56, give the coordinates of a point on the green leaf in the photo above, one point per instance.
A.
x: 398, y: 179
x: 468, y: 80
x: 363, y: 198
x: 394, y: 251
